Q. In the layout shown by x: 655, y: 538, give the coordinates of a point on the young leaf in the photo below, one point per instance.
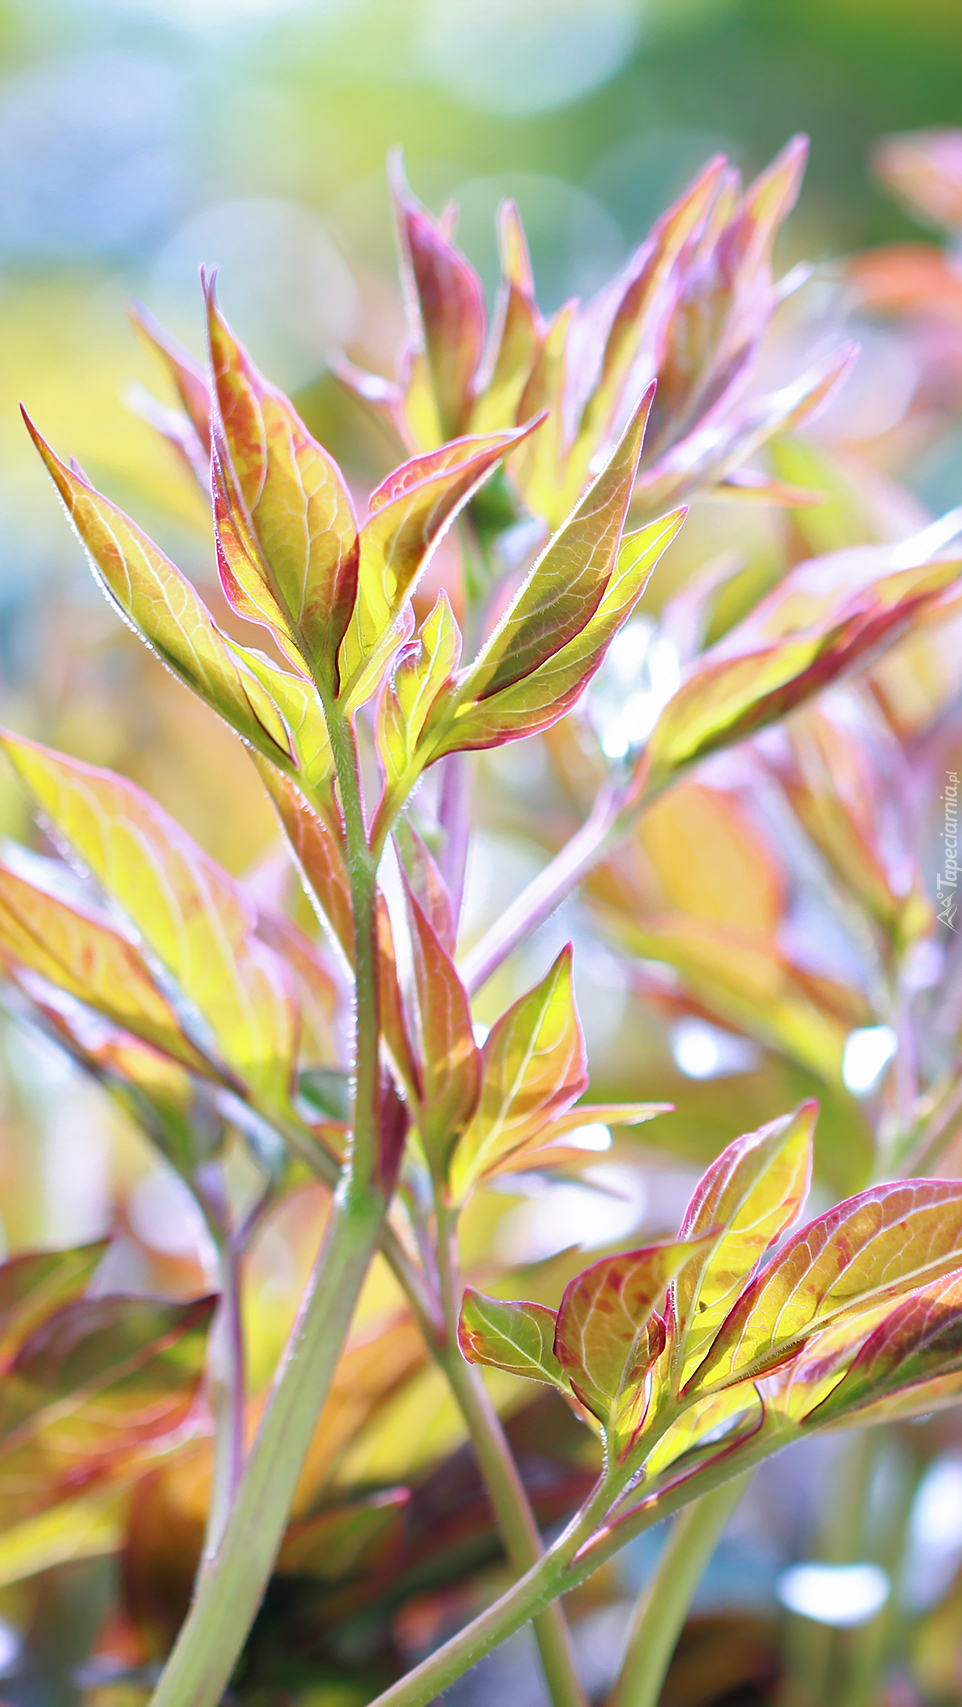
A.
x: 608, y: 1334
x: 193, y: 917
x: 450, y: 1074
x: 748, y: 1198
x: 36, y: 1283
x: 445, y: 304
x: 300, y: 572
x: 160, y: 603
x: 730, y: 696
x: 541, y: 698
x: 346, y: 1540
x: 888, y: 1240
x: 409, y: 514
x: 566, y: 584
x: 518, y: 1337
x: 91, y: 961
x: 518, y: 333
x: 920, y: 1340
x: 532, y: 1069
x: 189, y: 379
x: 421, y: 670
x: 319, y: 854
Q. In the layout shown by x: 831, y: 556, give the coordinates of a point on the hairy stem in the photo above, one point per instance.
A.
x: 585, y: 1545
x: 225, y: 1605
x: 229, y: 1593
x: 664, y: 1603
x: 507, y: 1493
x: 544, y: 893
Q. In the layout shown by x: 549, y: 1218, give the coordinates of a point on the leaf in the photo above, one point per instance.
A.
x: 747, y: 1198
x: 345, y: 1541
x: 566, y: 584
x: 546, y: 1148
x: 445, y: 304
x: 84, y: 1528
x: 38, y: 1282
x: 518, y: 333
x: 450, y: 1073
x: 193, y: 917
x: 919, y: 1341
x: 420, y: 672
x: 301, y: 576
x: 608, y: 1335
x: 319, y: 855
x: 886, y: 1241
x: 533, y: 1068
x: 91, y: 961
x: 518, y: 1337
x: 746, y: 683
x: 541, y: 698
x: 91, y: 1386
x: 160, y: 603
x: 188, y: 376
x: 409, y: 514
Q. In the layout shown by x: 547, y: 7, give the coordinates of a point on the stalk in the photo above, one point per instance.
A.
x: 544, y: 893
x: 575, y: 1556
x: 229, y: 1398
x: 663, y: 1605
x: 229, y: 1592
x: 506, y: 1491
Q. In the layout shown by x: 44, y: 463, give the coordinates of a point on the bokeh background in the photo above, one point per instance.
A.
x: 140, y: 138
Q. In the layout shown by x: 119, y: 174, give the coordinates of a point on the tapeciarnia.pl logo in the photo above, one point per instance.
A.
x: 947, y: 883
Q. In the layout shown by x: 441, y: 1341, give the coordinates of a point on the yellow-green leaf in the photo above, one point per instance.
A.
x: 517, y: 1337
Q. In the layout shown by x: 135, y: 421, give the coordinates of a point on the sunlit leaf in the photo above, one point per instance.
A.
x: 518, y: 1337
x: 608, y: 1334
x: 191, y: 915
x: 747, y: 1198
x: 91, y: 961
x: 450, y: 1059
x: 888, y: 1240
x: 419, y: 672
x: 342, y: 1541
x: 518, y: 332
x: 83, y: 1528
x: 36, y: 1283
x: 298, y: 573
x: 445, y: 304
x: 532, y: 1069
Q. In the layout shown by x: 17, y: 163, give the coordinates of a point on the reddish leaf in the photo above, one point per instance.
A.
x: 445, y: 305
x: 450, y: 1059
x: 517, y: 1336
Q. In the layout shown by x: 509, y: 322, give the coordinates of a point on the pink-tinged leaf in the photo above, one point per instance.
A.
x: 90, y: 960
x: 517, y: 334
x: 189, y: 379
x: 191, y: 915
x: 535, y: 466
x: 160, y: 603
x: 445, y: 304
x: 319, y: 854
x: 517, y: 1337
x: 885, y: 1242
x: 450, y: 1073
x: 747, y: 1199
x: 547, y: 1147
x: 533, y: 1068
x: 426, y: 882
x: 923, y: 168
x: 608, y: 1334
x: 295, y: 500
x: 409, y: 514
x: 100, y: 1377
x: 565, y: 586
x: 420, y: 672
x: 728, y: 697
x: 541, y: 698
x: 919, y: 1341
x: 35, y: 1284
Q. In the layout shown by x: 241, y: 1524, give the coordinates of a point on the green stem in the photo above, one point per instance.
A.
x: 576, y: 1554
x: 213, y: 1635
x: 229, y: 1397
x: 229, y: 1592
x: 506, y: 1490
x: 663, y: 1606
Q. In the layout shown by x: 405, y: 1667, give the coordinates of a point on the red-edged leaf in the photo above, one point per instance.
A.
x: 35, y: 1284
x: 298, y: 507
x: 608, y: 1334
x: 533, y: 1069
x: 747, y: 1199
x: 888, y: 1240
x: 450, y: 1059
x: 517, y: 1336
x: 445, y: 304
